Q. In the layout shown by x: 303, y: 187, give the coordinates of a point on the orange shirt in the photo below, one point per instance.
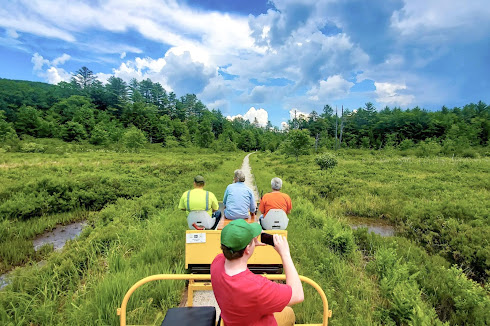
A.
x: 275, y: 200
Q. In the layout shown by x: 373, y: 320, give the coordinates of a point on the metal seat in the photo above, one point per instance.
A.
x: 276, y: 219
x: 201, y: 219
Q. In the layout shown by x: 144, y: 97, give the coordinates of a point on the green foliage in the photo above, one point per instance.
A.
x: 298, y: 142
x: 428, y: 147
x: 134, y: 139
x: 31, y: 147
x: 7, y: 132
x: 73, y: 131
x: 326, y: 161
x: 405, y: 144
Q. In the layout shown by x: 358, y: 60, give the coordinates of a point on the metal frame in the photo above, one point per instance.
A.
x: 207, y: 277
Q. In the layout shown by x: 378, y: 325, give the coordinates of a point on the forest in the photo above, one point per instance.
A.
x: 131, y: 115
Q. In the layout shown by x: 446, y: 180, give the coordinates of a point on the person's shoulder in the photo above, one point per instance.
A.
x: 219, y: 258
x: 285, y: 195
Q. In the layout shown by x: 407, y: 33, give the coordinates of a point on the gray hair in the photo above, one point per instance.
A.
x: 239, y: 176
x: 276, y: 184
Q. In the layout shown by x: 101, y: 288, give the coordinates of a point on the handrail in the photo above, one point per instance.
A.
x: 206, y: 277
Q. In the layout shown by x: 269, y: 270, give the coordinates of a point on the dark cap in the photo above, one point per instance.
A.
x: 199, y: 179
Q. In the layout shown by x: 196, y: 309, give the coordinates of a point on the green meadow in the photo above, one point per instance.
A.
x: 434, y: 272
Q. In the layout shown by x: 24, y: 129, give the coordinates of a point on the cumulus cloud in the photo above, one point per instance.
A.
x: 39, y: 61
x: 334, y: 87
x: 55, y: 75
x: 252, y: 114
x: 61, y: 60
x: 310, y: 44
x: 295, y: 113
x: 418, y: 17
x: 185, y: 75
x: 389, y: 94
x: 52, y: 74
x: 221, y: 104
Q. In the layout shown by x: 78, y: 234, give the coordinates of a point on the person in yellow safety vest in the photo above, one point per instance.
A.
x: 199, y: 199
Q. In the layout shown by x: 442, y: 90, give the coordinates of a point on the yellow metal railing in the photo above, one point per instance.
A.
x: 121, y: 312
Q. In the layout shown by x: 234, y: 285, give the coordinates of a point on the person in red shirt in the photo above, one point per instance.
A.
x: 275, y: 200
x: 247, y: 299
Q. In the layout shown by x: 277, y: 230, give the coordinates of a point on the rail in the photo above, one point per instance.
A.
x: 121, y: 312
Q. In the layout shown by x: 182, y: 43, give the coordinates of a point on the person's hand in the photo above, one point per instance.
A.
x: 281, y: 245
x: 258, y: 243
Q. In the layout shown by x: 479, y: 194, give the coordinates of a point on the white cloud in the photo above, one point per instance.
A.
x: 38, y: 62
x: 61, y: 60
x: 153, y: 65
x: 102, y: 77
x: 222, y: 105
x: 389, y: 94
x: 55, y: 75
x: 334, y: 87
x: 260, y: 114
x: 52, y: 74
x: 418, y: 17
x: 123, y: 55
x: 295, y: 113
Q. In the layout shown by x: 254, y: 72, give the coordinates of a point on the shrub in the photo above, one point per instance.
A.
x: 429, y: 147
x: 32, y: 148
x: 134, y: 139
x: 405, y: 144
x: 326, y: 161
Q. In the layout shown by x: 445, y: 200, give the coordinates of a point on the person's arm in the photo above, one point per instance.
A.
x: 292, y: 278
x: 290, y: 205
x: 253, y: 205
x: 225, y: 196
x: 262, y: 206
x: 214, y: 202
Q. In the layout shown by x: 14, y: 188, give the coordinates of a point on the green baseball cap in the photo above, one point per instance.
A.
x: 199, y: 179
x: 238, y: 234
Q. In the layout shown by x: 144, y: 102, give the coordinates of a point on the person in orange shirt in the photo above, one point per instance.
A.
x: 275, y: 200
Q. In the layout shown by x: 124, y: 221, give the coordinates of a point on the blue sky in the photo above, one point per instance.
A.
x: 261, y: 59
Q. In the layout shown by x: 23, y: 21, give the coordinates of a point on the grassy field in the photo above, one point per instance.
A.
x: 399, y: 280
x: 135, y: 230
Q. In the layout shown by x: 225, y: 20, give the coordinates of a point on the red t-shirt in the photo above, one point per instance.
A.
x: 247, y: 299
x: 275, y: 200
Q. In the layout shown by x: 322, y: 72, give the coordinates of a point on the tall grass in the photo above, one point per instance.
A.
x: 131, y: 237
x: 373, y: 280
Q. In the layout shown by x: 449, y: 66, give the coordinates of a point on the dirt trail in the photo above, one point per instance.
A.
x: 206, y: 298
x: 249, y: 177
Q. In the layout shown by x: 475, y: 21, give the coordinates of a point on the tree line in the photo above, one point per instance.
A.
x: 86, y: 110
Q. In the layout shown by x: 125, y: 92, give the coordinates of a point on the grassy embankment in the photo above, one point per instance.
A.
x: 373, y: 280
x: 134, y: 230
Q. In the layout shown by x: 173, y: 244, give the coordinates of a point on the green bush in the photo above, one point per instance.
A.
x: 32, y: 148
x: 134, y: 139
x: 326, y: 161
x: 405, y: 144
